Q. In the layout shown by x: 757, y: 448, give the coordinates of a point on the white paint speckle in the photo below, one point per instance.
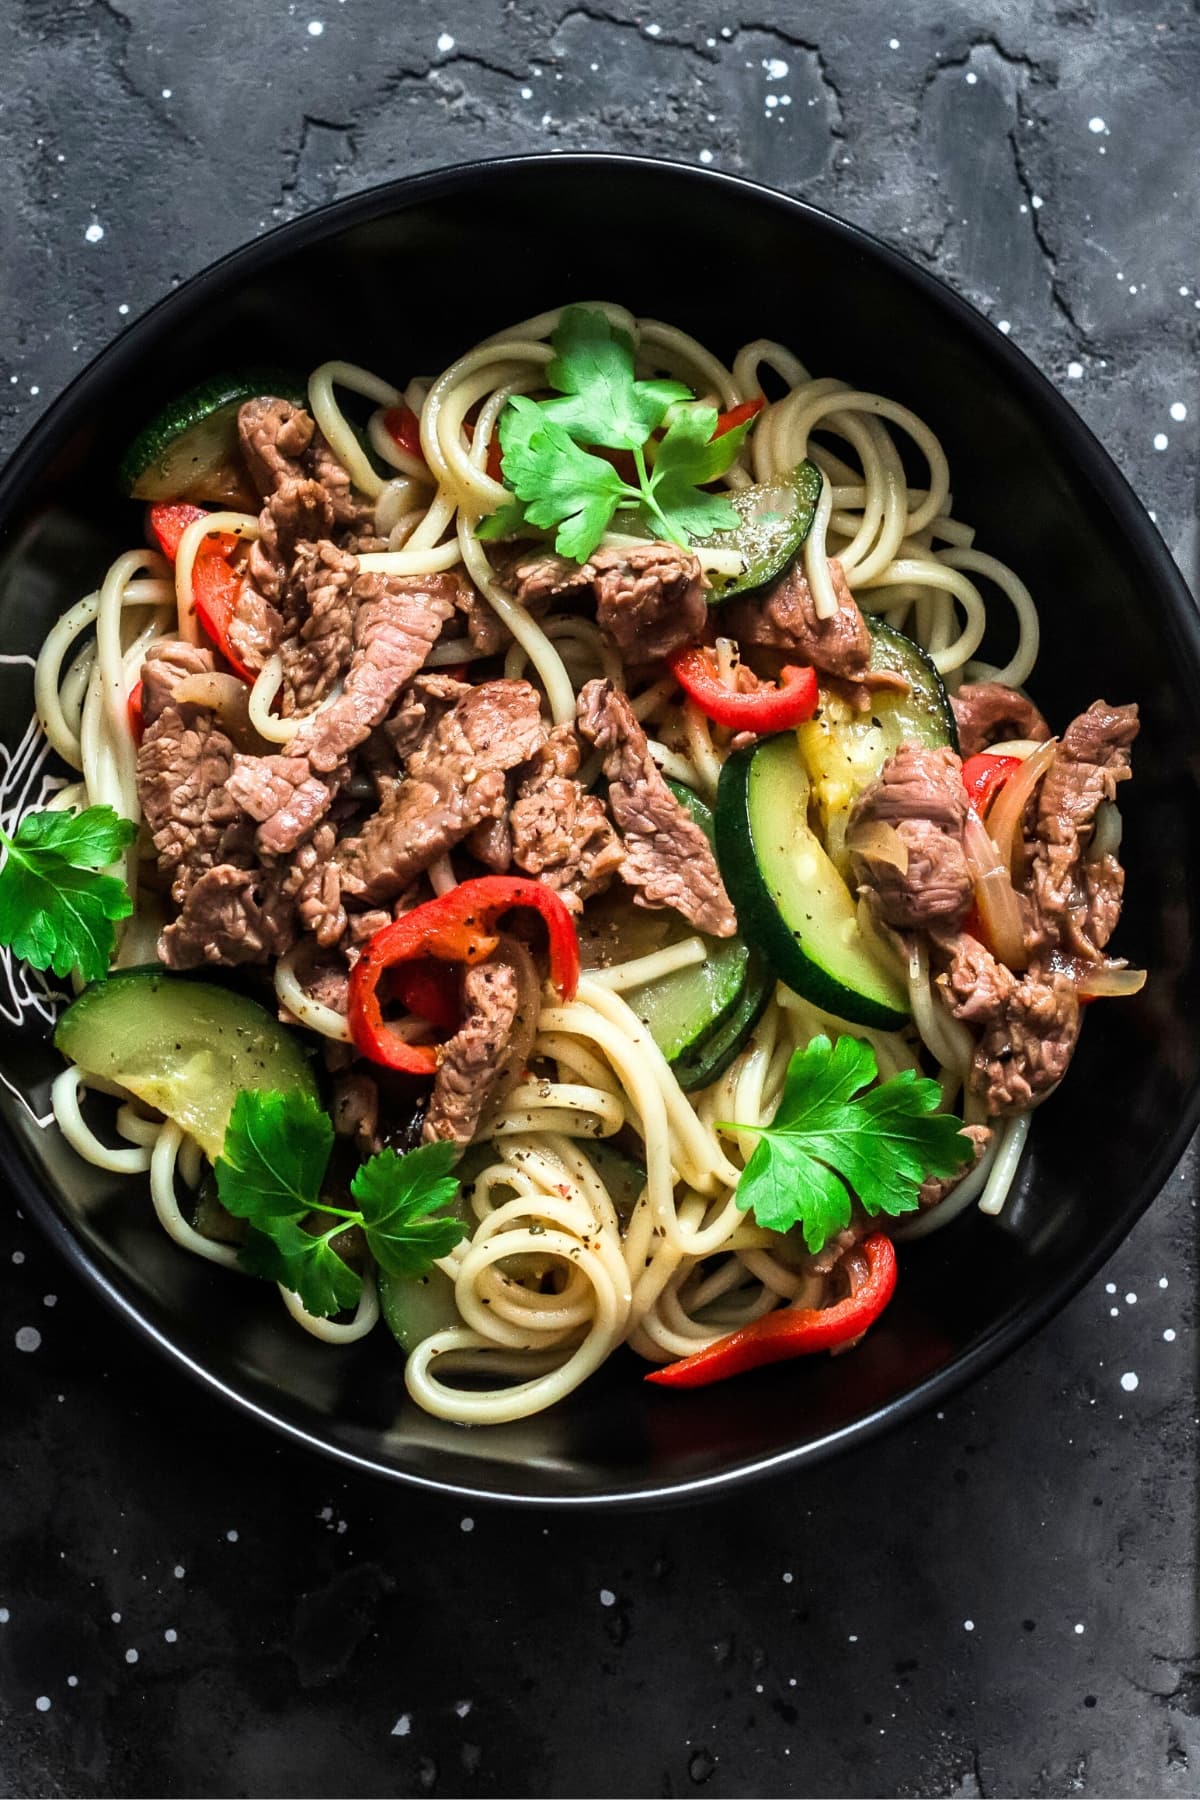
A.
x: 28, y: 1338
x: 18, y: 1256
x: 116, y: 1618
x: 1036, y: 201
x: 607, y: 1597
x: 131, y: 1656
x: 1074, y: 371
x: 1097, y: 125
x: 166, y: 93
x: 4, y: 1615
x: 1178, y: 411
x: 1162, y: 1281
x: 853, y: 1638
x: 527, y: 93
x: 170, y: 1635
x: 462, y: 1708
x: 1079, y: 1631
x: 445, y: 43
x: 231, y: 1536
x: 123, y: 310
x: 315, y: 28
x: 893, y: 43
x: 94, y: 232
x: 1110, y: 1287
x: 42, y: 1703
x: 788, y: 1576
x: 971, y: 78
x: 1131, y: 1299
x: 776, y: 67
x: 1004, y: 325
x: 49, y: 1299
x: 179, y: 1571
x: 706, y: 157
x: 72, y: 1681
x: 1161, y: 440
x: 403, y: 1725
x: 1114, y: 1312
x: 1169, y: 1335
x: 466, y: 1524
x: 653, y: 30
x: 1129, y: 1382
x: 968, y: 1624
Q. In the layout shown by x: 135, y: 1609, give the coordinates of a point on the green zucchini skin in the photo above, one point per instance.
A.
x: 925, y: 712
x: 703, y: 1062
x: 792, y: 905
x: 189, y: 450
x: 774, y: 518
x: 185, y: 1047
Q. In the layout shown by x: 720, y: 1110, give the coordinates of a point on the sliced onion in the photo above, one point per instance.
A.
x: 1106, y: 838
x: 995, y: 896
x: 880, y: 842
x: 1007, y: 810
x: 1110, y: 984
x: 230, y: 700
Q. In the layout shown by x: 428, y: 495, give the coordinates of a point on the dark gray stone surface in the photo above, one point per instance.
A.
x: 1002, y: 1600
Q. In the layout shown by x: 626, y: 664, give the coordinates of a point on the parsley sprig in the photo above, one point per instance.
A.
x: 57, y: 910
x: 835, y: 1136
x: 561, y: 486
x: 276, y: 1153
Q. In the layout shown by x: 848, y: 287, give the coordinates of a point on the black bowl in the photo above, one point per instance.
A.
x: 404, y: 278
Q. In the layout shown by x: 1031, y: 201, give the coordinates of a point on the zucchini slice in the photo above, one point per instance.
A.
x: 844, y: 749
x: 774, y: 518
x: 190, y: 451
x: 703, y: 1062
x: 185, y: 1047
x: 792, y: 904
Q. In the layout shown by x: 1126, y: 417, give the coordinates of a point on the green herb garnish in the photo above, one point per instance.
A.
x: 560, y: 486
x: 277, y: 1148
x: 57, y: 911
x: 831, y: 1141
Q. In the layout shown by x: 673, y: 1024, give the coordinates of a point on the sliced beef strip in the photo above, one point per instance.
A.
x: 920, y: 794
x: 284, y: 795
x: 298, y: 512
x: 306, y: 491
x: 318, y: 646
x: 229, y: 916
x: 537, y: 577
x: 1028, y: 1025
x: 255, y: 629
x: 274, y: 436
x: 491, y: 843
x: 471, y: 1063
x: 649, y: 597
x: 485, y: 629
x: 561, y: 833
x: 987, y: 712
x: 786, y: 619
x: 397, y: 622
x: 454, y: 780
x: 1077, y: 902
x: 423, y: 702
x: 183, y: 769
x: 315, y: 882
x: 668, y: 859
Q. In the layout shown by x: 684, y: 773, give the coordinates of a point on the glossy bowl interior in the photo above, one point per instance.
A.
x: 403, y: 279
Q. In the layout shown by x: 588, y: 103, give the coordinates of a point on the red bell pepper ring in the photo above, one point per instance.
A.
x: 430, y: 990
x: 404, y: 428
x: 166, y: 522
x: 794, y: 1330
x: 765, y: 709
x: 456, y: 927
x: 738, y: 415
x: 984, y: 775
x: 216, y: 587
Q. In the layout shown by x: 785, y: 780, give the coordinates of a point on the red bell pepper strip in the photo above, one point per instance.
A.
x: 765, y: 709
x: 737, y: 415
x: 984, y: 775
x: 457, y: 927
x: 133, y: 709
x: 404, y: 428
x: 215, y: 590
x: 429, y: 989
x: 166, y: 522
x: 796, y: 1330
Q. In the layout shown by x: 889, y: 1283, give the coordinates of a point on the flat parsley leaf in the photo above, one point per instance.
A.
x: 560, y: 487
x: 831, y: 1140
x: 560, y: 484
x: 276, y: 1154
x: 402, y: 1200
x: 601, y: 402
x: 57, y: 911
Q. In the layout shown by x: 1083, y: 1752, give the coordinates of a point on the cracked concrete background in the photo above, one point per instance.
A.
x: 1002, y: 1600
